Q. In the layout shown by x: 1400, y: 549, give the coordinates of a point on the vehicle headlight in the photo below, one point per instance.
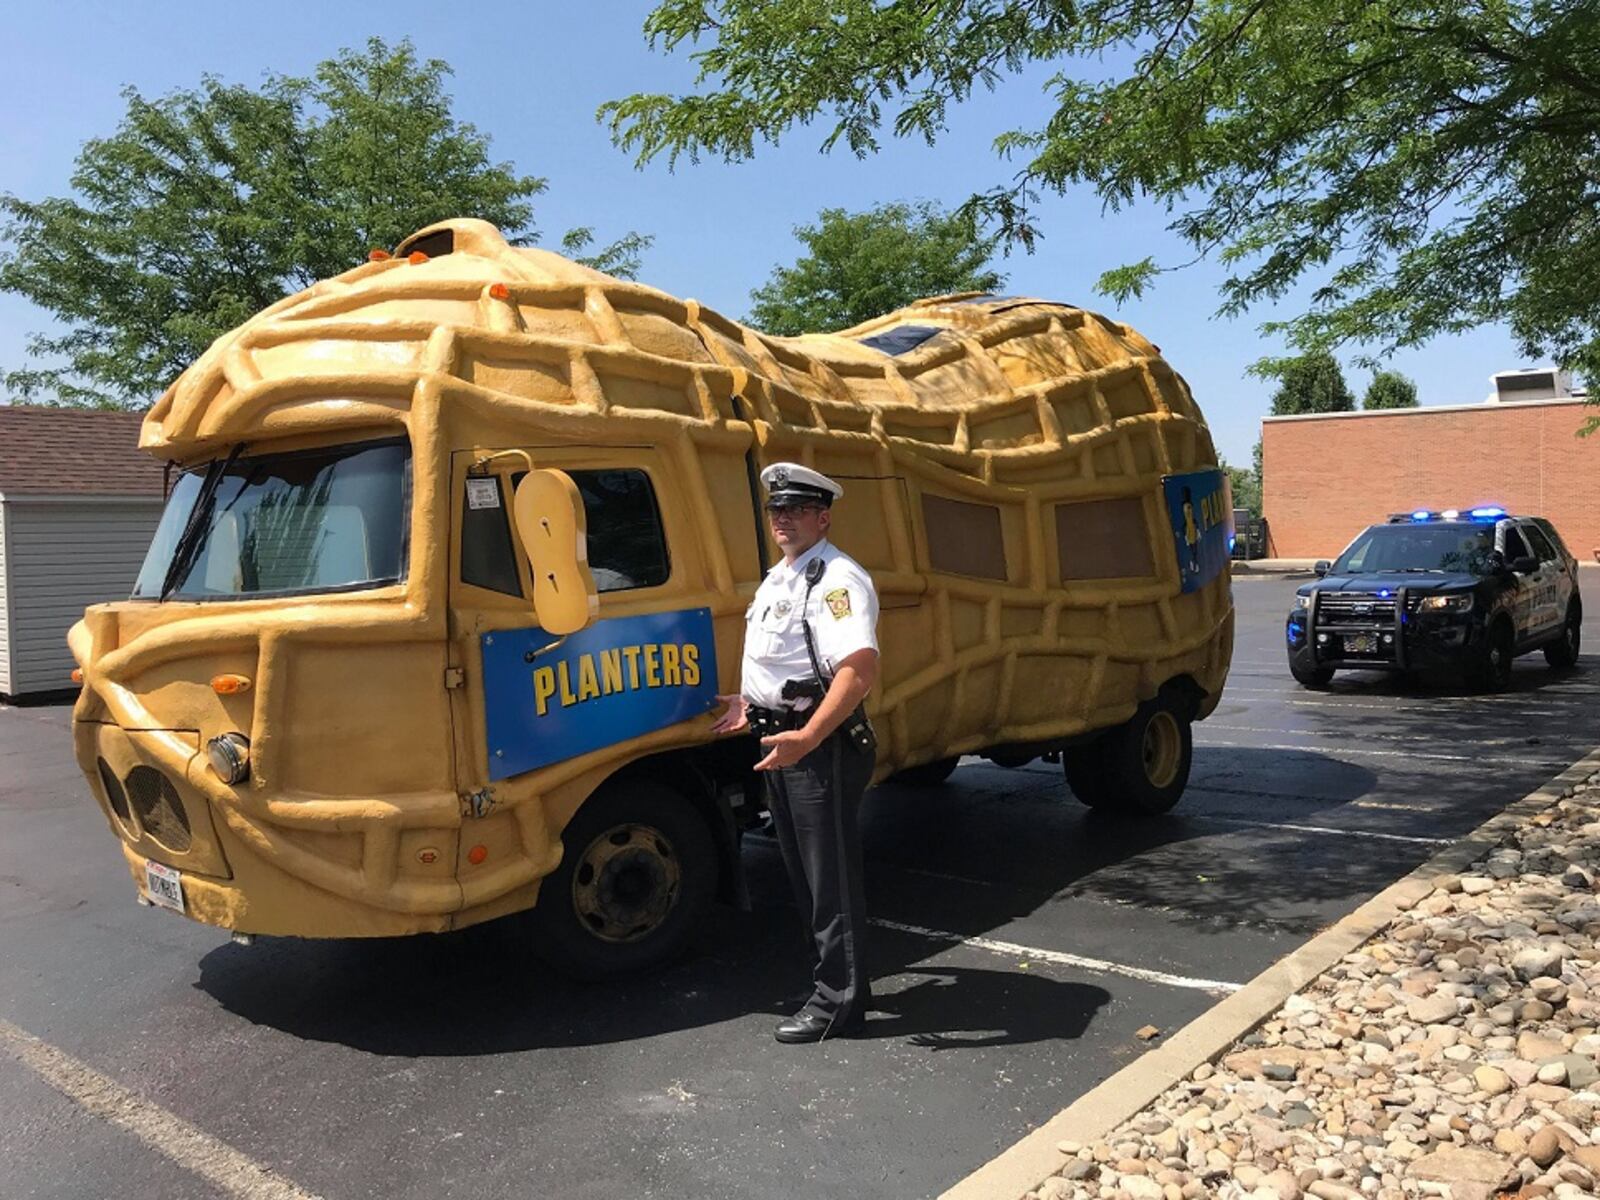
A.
x: 229, y: 755
x: 1302, y: 601
x: 1462, y: 603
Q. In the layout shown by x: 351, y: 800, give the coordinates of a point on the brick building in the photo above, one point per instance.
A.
x: 1327, y: 476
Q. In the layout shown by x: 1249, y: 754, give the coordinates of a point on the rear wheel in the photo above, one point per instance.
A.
x: 638, y: 871
x: 930, y: 774
x: 1564, y: 653
x: 1141, y: 766
x: 1311, y: 677
x: 1492, y: 671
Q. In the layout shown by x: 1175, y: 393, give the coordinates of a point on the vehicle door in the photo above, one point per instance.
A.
x: 1552, y: 592
x: 1524, y: 584
x: 648, y: 558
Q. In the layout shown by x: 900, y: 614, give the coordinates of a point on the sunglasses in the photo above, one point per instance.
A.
x: 776, y: 511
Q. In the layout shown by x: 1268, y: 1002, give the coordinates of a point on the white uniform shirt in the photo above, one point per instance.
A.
x: 844, y: 618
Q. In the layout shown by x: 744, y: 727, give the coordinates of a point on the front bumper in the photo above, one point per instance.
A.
x: 1410, y: 642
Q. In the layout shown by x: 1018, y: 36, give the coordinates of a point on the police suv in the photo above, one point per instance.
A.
x: 1459, y: 590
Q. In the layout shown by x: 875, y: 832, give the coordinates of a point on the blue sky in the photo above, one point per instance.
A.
x: 531, y: 76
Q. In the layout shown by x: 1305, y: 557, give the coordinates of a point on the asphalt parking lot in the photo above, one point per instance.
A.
x: 1019, y: 943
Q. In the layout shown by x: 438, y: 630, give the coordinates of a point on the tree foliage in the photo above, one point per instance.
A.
x: 1246, y: 486
x: 862, y: 265
x: 1390, y: 389
x: 1420, y: 168
x: 1313, y: 383
x: 206, y: 206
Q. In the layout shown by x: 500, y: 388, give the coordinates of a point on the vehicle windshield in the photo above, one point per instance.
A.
x: 1418, y: 547
x: 321, y: 520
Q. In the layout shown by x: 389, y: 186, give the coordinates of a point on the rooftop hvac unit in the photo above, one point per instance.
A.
x: 1538, y: 383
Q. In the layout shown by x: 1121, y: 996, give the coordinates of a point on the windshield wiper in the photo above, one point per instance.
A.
x: 199, y: 517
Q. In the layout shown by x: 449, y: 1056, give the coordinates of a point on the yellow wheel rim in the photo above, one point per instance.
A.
x: 1162, y: 750
x: 626, y: 883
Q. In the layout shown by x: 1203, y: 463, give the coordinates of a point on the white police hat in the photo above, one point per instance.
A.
x: 790, y: 484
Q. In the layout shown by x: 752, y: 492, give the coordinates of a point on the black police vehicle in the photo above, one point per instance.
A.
x: 1459, y: 590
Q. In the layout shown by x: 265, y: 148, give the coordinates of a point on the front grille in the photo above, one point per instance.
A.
x: 115, y: 796
x: 160, y: 811
x: 1354, y: 608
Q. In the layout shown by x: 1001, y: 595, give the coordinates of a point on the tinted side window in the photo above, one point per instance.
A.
x: 1542, y: 549
x: 1515, y: 546
x: 487, y: 559
x: 1549, y: 530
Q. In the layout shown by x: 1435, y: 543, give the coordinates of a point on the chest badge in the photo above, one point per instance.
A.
x: 782, y: 608
x: 838, y: 603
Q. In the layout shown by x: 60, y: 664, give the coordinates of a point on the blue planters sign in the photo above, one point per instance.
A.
x: 612, y: 681
x: 1201, y: 510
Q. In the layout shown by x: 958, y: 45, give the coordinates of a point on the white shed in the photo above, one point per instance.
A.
x: 78, y: 506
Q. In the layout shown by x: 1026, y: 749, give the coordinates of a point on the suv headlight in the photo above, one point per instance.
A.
x: 1460, y: 604
x: 1302, y: 601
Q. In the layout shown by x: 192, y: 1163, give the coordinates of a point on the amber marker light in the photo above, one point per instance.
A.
x: 230, y: 685
x: 500, y: 291
x: 77, y: 674
x: 378, y: 256
x: 477, y: 854
x: 416, y: 258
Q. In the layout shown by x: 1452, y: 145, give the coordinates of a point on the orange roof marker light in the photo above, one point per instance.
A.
x: 378, y: 256
x: 416, y: 258
x: 499, y: 291
x: 230, y: 685
x: 77, y: 674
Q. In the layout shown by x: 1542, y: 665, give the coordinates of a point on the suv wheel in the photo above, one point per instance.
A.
x: 1141, y: 766
x: 1564, y: 652
x: 1492, y: 671
x: 1311, y: 677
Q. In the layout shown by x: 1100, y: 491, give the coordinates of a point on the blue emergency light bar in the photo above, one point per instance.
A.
x: 1483, y: 513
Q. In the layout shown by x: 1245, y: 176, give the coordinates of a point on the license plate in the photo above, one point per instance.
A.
x: 1361, y: 643
x: 163, y: 885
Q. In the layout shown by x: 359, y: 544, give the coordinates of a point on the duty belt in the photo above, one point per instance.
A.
x: 767, y: 721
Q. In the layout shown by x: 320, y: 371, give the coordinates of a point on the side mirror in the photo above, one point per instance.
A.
x: 1322, y: 567
x: 1525, y: 565
x: 553, y: 529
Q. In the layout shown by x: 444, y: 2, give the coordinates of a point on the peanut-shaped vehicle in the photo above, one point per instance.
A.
x: 458, y: 549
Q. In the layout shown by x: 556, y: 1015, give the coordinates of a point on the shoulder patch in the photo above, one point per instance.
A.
x: 838, y: 602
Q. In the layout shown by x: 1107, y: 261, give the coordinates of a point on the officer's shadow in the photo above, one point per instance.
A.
x: 967, y: 1008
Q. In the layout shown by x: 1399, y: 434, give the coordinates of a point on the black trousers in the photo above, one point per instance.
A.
x: 814, y: 806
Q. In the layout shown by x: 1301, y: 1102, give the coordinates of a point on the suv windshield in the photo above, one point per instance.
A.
x: 305, y: 521
x: 1408, y: 547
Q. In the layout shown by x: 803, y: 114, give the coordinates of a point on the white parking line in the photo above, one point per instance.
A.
x: 1360, y: 833
x: 1013, y: 950
x: 1336, y: 751
x: 215, y: 1161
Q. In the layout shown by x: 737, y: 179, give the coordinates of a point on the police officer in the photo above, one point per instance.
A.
x: 810, y: 658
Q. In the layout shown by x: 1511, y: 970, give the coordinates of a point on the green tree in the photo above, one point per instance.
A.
x: 862, y: 265
x: 1312, y: 383
x: 206, y: 206
x: 1419, y: 168
x: 1390, y: 389
x: 1246, y: 485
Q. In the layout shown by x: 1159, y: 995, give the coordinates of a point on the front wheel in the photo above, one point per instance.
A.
x: 1564, y: 653
x: 1141, y: 766
x: 638, y: 872
x: 1492, y: 671
x: 1311, y: 677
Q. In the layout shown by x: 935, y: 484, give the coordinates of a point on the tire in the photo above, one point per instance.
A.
x: 929, y: 774
x: 638, y: 872
x: 1563, y: 653
x: 1316, y: 678
x: 1492, y: 671
x: 1140, y: 767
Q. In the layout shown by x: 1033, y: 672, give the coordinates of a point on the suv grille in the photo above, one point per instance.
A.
x: 1363, y: 608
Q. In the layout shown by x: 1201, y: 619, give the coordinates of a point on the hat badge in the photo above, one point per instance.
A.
x: 780, y: 477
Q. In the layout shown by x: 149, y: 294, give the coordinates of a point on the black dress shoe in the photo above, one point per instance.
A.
x: 807, y: 1026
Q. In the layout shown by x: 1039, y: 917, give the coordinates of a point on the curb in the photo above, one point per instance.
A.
x: 1114, y: 1100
